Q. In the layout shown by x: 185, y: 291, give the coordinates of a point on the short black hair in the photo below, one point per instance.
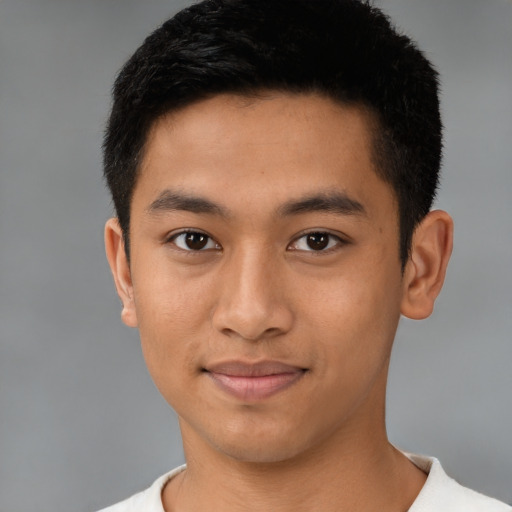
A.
x: 346, y: 50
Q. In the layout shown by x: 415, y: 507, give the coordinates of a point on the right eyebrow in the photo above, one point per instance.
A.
x: 170, y: 200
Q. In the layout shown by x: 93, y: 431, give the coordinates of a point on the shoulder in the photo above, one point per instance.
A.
x: 443, y: 494
x: 148, y: 500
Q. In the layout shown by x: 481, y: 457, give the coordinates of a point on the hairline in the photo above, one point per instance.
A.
x: 372, y: 120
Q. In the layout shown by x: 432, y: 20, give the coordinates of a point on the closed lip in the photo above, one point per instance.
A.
x: 254, y: 381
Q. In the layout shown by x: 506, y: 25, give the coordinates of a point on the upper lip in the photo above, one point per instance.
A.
x: 257, y: 369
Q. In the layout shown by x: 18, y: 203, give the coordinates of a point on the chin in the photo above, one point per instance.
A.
x: 271, y: 448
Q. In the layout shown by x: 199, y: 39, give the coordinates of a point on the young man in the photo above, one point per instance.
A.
x: 273, y: 165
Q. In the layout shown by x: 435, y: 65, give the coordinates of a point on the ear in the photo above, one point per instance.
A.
x: 426, y: 268
x: 116, y: 255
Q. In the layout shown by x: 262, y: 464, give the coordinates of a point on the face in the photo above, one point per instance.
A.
x: 265, y: 277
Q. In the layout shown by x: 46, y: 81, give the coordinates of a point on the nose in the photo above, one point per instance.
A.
x: 251, y: 304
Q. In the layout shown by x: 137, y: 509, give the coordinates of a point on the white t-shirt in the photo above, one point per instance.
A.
x: 439, y: 494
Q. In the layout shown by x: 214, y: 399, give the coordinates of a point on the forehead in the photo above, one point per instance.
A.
x: 262, y: 149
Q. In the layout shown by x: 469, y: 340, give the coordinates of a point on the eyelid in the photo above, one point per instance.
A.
x: 341, y: 240
x: 171, y: 237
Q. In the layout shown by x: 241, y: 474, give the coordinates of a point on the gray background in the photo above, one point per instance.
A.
x: 81, y: 424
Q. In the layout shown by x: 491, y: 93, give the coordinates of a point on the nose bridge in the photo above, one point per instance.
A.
x: 252, y: 272
x: 251, y: 304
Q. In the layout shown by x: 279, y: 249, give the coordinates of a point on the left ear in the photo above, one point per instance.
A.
x: 118, y: 261
x: 426, y: 268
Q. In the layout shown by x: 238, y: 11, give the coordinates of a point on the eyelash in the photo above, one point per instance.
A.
x: 338, y: 241
x: 172, y: 239
x: 330, y: 238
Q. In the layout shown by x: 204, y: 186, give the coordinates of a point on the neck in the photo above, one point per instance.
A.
x: 354, y: 470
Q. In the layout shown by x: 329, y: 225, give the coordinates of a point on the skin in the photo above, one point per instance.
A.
x: 263, y: 173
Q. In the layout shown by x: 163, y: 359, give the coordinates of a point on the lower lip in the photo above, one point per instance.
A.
x: 255, y: 388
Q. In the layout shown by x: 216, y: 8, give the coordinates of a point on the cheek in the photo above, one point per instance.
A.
x: 169, y: 296
x: 355, y: 319
x: 172, y: 314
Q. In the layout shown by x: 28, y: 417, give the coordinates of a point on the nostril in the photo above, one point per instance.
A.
x: 253, y: 335
x: 250, y: 311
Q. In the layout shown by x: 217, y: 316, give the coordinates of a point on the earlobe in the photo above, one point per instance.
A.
x: 116, y: 256
x: 425, y: 271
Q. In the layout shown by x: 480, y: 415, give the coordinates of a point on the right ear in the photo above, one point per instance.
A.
x: 116, y: 256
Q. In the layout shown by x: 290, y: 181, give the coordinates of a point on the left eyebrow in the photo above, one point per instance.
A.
x: 337, y: 202
x: 170, y: 200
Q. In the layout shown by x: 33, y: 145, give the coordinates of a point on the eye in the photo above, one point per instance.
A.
x: 317, y: 241
x: 194, y: 241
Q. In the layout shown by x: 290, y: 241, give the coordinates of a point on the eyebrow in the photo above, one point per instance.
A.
x: 336, y: 202
x: 170, y: 200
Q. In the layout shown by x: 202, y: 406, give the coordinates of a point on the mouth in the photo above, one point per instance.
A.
x: 256, y: 381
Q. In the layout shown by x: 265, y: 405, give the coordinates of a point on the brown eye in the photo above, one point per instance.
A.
x: 194, y: 241
x: 317, y: 241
